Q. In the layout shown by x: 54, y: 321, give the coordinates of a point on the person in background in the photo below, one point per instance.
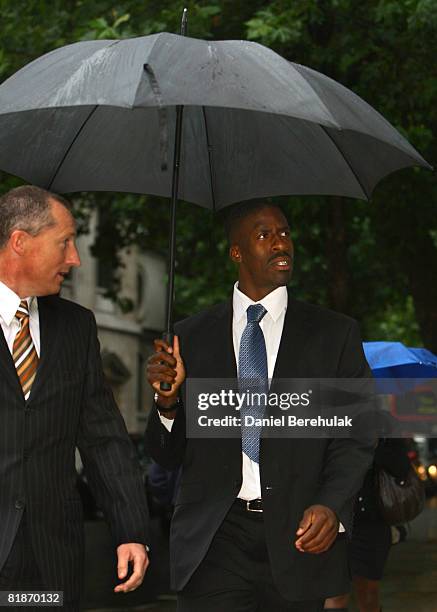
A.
x: 371, y: 536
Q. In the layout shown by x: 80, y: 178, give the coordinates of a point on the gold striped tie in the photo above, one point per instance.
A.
x: 24, y: 352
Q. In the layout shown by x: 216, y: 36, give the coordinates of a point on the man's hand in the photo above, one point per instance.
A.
x: 137, y: 555
x: 317, y: 530
x: 166, y: 365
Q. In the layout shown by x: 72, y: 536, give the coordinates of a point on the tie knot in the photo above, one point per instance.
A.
x: 255, y: 313
x: 23, y: 310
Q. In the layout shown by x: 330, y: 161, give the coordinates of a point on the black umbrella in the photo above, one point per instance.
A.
x: 99, y: 116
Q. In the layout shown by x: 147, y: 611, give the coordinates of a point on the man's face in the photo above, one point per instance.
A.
x: 264, y: 251
x: 49, y: 256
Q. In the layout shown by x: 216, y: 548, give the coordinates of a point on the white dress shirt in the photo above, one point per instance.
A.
x: 9, y: 302
x: 271, y: 324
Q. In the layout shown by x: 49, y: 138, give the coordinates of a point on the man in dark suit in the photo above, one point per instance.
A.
x: 54, y: 397
x: 258, y: 530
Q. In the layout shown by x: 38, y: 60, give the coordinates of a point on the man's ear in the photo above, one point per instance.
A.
x: 234, y: 253
x: 18, y: 241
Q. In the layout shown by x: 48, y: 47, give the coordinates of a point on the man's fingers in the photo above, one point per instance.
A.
x: 162, y: 357
x: 321, y: 542
x: 157, y: 370
x: 176, y: 349
x: 322, y: 532
x: 323, y: 546
x: 167, y: 367
x: 122, y: 565
x: 308, y: 535
x: 133, y: 582
x: 315, y: 537
x: 139, y: 569
x: 313, y: 529
x: 305, y: 523
x: 137, y: 555
x: 161, y: 345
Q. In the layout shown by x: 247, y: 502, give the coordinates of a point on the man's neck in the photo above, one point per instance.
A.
x: 13, y: 286
x: 256, y: 294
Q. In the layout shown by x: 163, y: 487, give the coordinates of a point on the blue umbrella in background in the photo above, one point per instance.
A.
x: 409, y: 375
x: 395, y: 360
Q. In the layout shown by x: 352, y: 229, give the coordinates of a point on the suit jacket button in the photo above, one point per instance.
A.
x: 19, y: 504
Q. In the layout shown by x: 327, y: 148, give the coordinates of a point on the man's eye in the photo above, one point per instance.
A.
x: 262, y: 235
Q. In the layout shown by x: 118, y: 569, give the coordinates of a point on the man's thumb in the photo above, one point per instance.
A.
x: 305, y: 523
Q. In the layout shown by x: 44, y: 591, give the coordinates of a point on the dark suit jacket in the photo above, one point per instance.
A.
x: 70, y: 405
x: 295, y: 473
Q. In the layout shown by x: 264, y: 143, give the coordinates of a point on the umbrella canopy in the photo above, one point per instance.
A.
x: 394, y: 359
x: 98, y: 116
x: 400, y: 370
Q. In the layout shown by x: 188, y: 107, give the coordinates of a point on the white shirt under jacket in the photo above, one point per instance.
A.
x: 271, y: 324
x: 9, y: 302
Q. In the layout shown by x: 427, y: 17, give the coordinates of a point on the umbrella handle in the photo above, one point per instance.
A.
x: 167, y: 337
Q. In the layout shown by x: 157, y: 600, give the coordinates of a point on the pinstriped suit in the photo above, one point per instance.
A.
x: 70, y: 404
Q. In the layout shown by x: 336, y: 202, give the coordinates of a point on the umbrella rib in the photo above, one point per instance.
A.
x: 209, y: 159
x: 67, y: 151
x: 347, y: 162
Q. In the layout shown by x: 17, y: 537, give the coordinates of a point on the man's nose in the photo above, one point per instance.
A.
x: 281, y: 243
x: 73, y: 258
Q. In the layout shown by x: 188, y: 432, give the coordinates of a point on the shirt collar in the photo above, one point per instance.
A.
x: 274, y: 302
x: 9, y: 302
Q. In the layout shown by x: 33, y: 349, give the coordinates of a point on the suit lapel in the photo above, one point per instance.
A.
x: 289, y: 364
x: 224, y: 367
x: 293, y: 340
x: 220, y: 337
x: 49, y: 326
x: 7, y: 366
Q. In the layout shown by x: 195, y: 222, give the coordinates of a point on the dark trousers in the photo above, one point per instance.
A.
x: 21, y: 573
x: 235, y: 574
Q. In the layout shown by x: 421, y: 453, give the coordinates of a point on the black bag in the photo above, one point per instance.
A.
x: 400, y: 500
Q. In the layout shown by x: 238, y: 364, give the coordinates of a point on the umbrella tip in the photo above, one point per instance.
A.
x: 184, y: 22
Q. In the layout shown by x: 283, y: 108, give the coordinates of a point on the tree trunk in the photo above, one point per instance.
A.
x: 421, y: 269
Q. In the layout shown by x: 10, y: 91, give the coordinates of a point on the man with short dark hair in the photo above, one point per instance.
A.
x: 258, y: 522
x: 54, y: 397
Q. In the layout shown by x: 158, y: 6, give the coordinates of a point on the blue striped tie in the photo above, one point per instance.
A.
x: 253, y: 377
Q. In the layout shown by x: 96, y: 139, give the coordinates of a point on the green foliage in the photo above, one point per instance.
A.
x: 100, y: 28
x: 273, y: 29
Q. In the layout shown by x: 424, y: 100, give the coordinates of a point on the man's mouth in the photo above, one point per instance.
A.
x: 281, y: 263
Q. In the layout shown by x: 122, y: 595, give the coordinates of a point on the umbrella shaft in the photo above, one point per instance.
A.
x: 174, y: 199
